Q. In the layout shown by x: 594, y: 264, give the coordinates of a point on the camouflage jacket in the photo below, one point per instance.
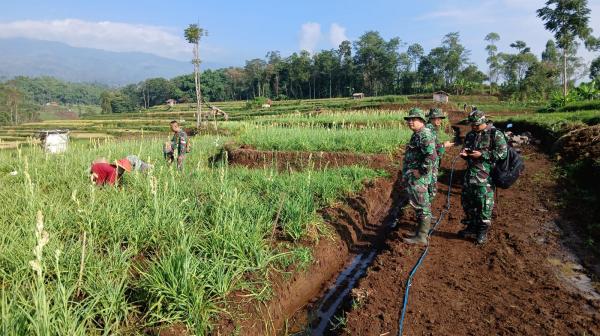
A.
x: 439, y: 145
x: 478, y: 170
x: 420, y: 153
x: 179, y: 142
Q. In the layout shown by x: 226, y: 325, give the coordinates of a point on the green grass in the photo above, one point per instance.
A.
x: 368, y: 140
x: 337, y: 119
x: 165, y: 247
x: 581, y: 106
x: 556, y: 122
x: 170, y: 246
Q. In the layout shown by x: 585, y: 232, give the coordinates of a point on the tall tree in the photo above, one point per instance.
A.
x: 569, y: 21
x: 521, y: 46
x: 492, y: 60
x: 551, y: 61
x: 192, y: 34
x: 300, y: 70
x: 378, y: 60
x: 325, y: 63
x: 550, y: 53
x: 105, y: 102
x: 347, y: 68
x: 274, y: 67
x: 255, y: 70
x: 235, y: 77
x: 415, y: 52
x: 523, y: 59
x: 431, y: 69
x: 595, y: 69
x: 455, y: 58
x: 14, y: 98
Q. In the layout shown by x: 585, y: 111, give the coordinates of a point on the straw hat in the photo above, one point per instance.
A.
x: 125, y: 164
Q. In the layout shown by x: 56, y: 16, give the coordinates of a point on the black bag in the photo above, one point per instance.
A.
x: 507, y: 171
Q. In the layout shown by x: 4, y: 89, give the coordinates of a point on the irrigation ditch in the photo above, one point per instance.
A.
x: 308, y: 302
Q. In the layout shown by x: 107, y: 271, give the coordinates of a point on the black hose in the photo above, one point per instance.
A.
x: 422, y: 257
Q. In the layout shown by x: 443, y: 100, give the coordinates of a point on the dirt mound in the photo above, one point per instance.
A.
x: 67, y: 115
x: 579, y: 145
x: 358, y: 221
x: 252, y: 158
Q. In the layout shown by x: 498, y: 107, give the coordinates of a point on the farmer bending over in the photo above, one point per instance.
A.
x: 103, y: 173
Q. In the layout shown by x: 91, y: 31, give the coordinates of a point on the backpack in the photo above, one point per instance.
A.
x: 506, y: 172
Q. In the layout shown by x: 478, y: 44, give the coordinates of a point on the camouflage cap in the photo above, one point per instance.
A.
x: 436, y: 113
x: 416, y: 113
x: 477, y: 117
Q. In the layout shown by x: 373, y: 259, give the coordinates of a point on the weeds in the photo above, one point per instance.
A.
x: 371, y: 140
x: 202, y: 234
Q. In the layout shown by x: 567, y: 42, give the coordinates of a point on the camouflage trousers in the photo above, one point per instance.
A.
x: 416, y: 193
x: 434, y: 177
x: 478, y: 201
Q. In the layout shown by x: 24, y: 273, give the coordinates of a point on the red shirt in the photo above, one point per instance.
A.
x: 105, y: 173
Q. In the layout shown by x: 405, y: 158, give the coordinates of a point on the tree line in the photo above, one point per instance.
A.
x: 372, y: 65
x: 22, y: 97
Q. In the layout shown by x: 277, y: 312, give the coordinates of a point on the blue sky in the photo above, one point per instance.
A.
x: 241, y: 30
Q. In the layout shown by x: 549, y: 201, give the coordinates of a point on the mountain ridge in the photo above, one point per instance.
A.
x: 35, y: 58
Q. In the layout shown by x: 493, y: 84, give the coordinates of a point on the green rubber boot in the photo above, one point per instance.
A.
x: 422, y: 231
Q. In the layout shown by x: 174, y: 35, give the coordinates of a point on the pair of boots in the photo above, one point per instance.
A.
x: 477, y: 229
x: 422, y: 233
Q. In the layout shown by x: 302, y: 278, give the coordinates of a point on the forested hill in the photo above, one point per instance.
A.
x: 34, y: 58
x: 42, y: 90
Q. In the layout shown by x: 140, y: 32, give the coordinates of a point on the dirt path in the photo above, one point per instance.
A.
x: 516, y: 284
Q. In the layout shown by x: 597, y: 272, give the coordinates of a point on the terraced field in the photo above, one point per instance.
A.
x: 280, y: 223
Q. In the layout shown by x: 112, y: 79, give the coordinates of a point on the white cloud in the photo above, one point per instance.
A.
x: 337, y: 34
x: 512, y: 19
x: 310, y: 36
x: 106, y: 35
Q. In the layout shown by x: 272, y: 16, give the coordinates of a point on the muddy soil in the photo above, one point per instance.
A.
x: 579, y: 145
x: 357, y: 224
x: 522, y: 282
x: 252, y: 158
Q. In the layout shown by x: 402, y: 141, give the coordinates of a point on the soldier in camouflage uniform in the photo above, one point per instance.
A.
x: 419, y: 160
x: 435, y: 122
x: 481, y: 153
x: 179, y: 144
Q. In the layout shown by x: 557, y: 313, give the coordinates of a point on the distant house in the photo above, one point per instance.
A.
x: 52, y: 103
x: 359, y: 95
x: 171, y: 102
x: 440, y: 97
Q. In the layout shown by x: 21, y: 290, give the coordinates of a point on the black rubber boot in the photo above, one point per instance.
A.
x: 484, y: 227
x: 468, y: 232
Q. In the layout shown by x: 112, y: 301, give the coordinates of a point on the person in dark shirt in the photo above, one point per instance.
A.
x: 178, y: 146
